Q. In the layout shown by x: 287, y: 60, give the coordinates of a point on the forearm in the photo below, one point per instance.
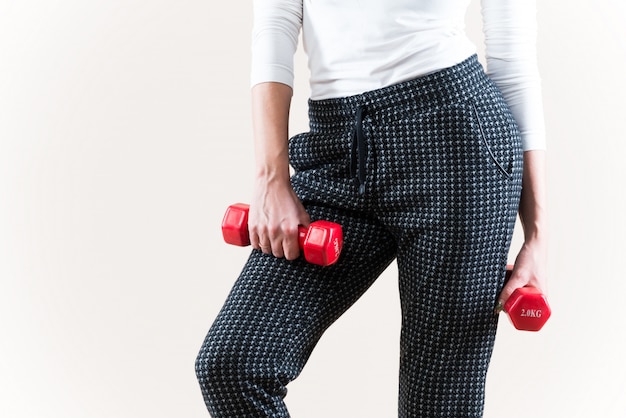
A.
x: 532, y: 209
x: 270, y: 120
x: 530, y: 263
x: 275, y: 210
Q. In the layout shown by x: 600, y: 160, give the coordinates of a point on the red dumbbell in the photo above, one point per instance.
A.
x: 527, y: 307
x: 321, y: 241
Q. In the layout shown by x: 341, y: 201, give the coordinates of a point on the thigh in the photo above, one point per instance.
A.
x: 449, y: 325
x: 278, y: 309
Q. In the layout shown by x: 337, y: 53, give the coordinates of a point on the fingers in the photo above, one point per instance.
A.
x: 276, y: 241
x: 281, y: 242
x: 290, y: 247
x: 259, y: 239
x: 514, y: 282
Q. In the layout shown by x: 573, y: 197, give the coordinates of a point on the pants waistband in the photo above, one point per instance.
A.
x: 455, y: 83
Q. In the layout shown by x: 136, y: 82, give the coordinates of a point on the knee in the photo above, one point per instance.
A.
x: 219, y: 381
x: 234, y: 383
x: 214, y: 367
x: 226, y: 367
x: 226, y: 364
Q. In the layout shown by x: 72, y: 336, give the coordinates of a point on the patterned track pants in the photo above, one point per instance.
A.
x: 427, y: 172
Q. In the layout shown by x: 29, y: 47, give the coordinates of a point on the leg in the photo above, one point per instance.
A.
x: 452, y: 264
x: 448, y: 329
x: 452, y: 205
x: 274, y: 316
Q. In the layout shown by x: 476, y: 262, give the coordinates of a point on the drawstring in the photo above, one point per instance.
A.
x: 359, y: 150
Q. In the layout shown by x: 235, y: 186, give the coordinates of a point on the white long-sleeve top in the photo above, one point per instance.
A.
x: 355, y: 46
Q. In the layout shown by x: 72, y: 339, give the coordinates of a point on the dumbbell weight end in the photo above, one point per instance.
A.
x: 527, y: 307
x: 235, y: 225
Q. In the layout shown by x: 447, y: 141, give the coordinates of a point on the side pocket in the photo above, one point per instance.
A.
x: 314, y: 150
x: 294, y: 150
x: 488, y: 147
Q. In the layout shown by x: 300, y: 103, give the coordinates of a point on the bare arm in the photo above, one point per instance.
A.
x: 275, y: 210
x: 530, y: 264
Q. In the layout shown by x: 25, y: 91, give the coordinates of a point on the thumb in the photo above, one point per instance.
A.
x: 304, y: 219
x: 514, y: 280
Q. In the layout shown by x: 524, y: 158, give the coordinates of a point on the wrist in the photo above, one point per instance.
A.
x: 271, y: 159
x: 273, y: 174
x: 536, y: 239
x: 535, y: 231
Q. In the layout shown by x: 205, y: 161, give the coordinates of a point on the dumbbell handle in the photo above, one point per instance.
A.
x: 527, y: 307
x: 302, y: 233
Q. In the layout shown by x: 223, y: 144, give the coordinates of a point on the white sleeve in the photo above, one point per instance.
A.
x: 510, y: 28
x: 275, y: 31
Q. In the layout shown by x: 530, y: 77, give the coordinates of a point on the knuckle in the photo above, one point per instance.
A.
x: 252, y: 229
x: 273, y: 230
x: 291, y: 230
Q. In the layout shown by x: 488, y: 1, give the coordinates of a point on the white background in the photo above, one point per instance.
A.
x: 125, y: 132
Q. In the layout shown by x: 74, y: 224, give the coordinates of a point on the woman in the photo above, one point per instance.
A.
x: 421, y: 157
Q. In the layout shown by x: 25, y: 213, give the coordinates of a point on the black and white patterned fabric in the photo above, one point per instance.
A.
x: 427, y: 172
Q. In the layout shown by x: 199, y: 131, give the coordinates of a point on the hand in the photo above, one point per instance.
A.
x: 275, y: 214
x: 529, y: 270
